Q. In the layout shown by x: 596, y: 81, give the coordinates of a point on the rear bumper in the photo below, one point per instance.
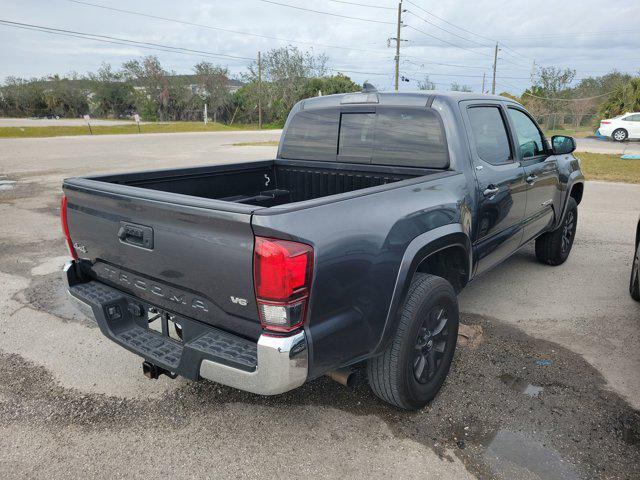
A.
x: 606, y: 130
x: 271, y: 366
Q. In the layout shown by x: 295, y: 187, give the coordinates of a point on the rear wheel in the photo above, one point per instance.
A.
x: 553, y: 247
x: 410, y: 372
x: 634, y: 284
x: 620, y: 135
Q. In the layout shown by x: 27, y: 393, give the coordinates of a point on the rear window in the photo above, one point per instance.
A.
x: 312, y: 135
x: 357, y: 132
x: 391, y: 136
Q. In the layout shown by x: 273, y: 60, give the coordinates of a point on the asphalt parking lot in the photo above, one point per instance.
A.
x: 550, y: 391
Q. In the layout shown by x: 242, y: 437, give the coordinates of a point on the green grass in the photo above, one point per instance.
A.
x: 271, y: 143
x: 580, y: 132
x: 609, y: 167
x: 169, y: 127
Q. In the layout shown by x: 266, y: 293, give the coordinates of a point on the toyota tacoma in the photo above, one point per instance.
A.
x: 349, y: 247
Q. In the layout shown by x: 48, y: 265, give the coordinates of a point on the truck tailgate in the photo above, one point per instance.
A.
x: 193, y: 260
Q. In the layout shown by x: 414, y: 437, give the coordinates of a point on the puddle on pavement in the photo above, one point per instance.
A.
x: 521, y: 386
x: 6, y: 184
x: 514, y: 455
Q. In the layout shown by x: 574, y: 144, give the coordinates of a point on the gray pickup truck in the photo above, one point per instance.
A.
x: 349, y: 247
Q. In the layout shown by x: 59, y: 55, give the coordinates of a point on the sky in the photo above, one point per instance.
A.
x: 450, y: 41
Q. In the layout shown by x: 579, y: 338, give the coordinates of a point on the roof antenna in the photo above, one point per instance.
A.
x: 368, y: 88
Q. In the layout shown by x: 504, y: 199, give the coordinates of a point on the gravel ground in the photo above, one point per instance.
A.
x: 549, y: 391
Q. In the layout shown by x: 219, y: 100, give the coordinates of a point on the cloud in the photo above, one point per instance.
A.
x: 529, y: 30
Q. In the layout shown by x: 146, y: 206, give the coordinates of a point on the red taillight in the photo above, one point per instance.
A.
x: 282, y: 272
x: 605, y: 123
x: 65, y: 227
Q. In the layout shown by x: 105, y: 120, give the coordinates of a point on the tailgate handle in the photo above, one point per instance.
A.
x: 136, y: 235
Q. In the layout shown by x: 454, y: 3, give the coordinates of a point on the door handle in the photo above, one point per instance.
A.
x: 531, y: 178
x: 491, y: 190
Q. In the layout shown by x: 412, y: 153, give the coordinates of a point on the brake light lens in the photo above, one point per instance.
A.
x: 282, y: 272
x: 605, y: 123
x: 65, y: 227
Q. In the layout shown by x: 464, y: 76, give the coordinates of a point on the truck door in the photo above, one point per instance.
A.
x: 500, y: 183
x: 541, y: 173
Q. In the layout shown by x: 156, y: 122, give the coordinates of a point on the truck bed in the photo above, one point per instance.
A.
x: 267, y: 183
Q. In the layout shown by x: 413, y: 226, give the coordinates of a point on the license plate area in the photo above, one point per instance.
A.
x: 164, y: 323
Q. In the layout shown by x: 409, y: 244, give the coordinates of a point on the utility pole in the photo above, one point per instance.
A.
x: 259, y: 92
x: 398, y: 43
x: 495, y: 64
x: 483, y: 77
x: 205, y: 113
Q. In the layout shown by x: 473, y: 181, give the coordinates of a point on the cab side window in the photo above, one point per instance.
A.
x: 530, y: 140
x: 490, y: 135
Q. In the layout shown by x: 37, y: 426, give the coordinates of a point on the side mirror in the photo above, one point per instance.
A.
x: 562, y: 145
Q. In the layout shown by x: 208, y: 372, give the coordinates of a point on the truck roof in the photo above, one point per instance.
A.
x: 414, y: 98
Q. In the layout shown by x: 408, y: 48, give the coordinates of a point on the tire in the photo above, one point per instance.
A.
x: 634, y: 283
x: 426, y: 335
x: 553, y: 247
x: 620, y: 135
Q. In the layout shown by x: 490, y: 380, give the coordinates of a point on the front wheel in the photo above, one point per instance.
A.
x: 634, y: 283
x: 553, y: 247
x: 410, y: 372
x: 619, y: 135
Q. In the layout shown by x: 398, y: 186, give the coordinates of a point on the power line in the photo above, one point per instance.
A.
x: 576, y: 34
x: 466, y: 76
x: 449, y: 23
x: 463, y: 29
x: 447, y: 42
x: 327, y: 13
x: 362, y: 4
x: 121, y: 41
x: 220, y: 29
x: 568, y: 99
x: 439, y: 63
x: 445, y: 30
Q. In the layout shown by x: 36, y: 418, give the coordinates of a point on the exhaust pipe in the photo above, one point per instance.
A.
x: 344, y: 376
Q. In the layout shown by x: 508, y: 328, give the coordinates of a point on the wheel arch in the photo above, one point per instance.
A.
x: 575, y: 190
x: 433, y: 252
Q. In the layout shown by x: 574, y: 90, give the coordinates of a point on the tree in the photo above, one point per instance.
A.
x: 624, y: 98
x: 456, y: 87
x: 509, y: 95
x: 113, y: 95
x: 22, y: 98
x: 152, y: 100
x: 285, y: 72
x: 213, y: 82
x: 339, y: 83
x: 553, y: 83
x: 426, y: 84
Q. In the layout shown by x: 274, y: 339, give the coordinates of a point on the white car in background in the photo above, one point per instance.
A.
x: 622, y: 127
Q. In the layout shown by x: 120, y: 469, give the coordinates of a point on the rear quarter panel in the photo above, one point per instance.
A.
x: 359, y: 244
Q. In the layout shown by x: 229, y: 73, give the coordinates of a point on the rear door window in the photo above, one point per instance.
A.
x: 490, y: 135
x: 410, y: 138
